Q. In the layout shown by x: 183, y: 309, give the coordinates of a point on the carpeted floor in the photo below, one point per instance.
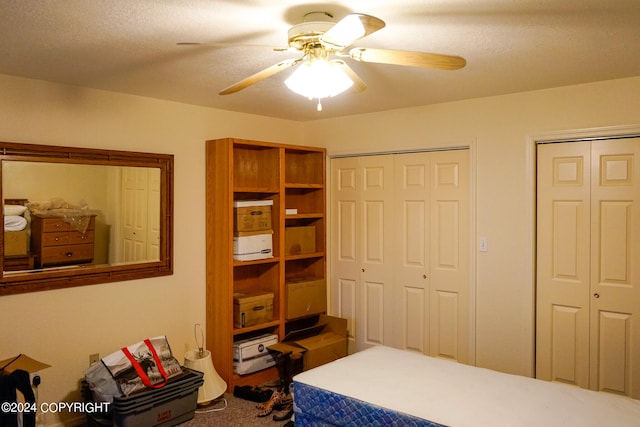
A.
x: 239, y: 412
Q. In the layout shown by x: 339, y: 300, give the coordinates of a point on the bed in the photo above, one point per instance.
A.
x: 383, y: 386
x: 15, y: 227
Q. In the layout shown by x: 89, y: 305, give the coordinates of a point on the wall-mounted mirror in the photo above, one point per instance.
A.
x: 75, y: 216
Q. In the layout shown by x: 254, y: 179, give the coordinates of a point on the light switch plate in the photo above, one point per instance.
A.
x: 484, y: 244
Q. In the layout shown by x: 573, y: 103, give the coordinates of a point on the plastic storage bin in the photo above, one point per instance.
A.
x: 173, y: 404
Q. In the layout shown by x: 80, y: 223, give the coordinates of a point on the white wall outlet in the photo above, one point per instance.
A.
x: 94, y: 358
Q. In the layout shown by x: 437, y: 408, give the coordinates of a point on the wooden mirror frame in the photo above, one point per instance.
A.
x: 81, y: 275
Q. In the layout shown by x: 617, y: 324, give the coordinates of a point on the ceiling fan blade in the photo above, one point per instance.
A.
x: 408, y: 58
x: 351, y: 28
x: 259, y: 76
x: 234, y: 45
x: 358, y: 84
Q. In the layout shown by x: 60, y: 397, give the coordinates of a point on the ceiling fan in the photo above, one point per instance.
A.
x: 318, y: 38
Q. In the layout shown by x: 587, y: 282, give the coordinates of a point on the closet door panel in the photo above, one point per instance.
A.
x: 375, y: 318
x: 411, y: 199
x: 614, y: 361
x: 447, y: 304
x: 377, y: 250
x: 374, y: 259
x: 347, y: 307
x: 567, y: 328
x: 415, y: 319
x: 345, y: 253
x: 414, y: 249
x: 615, y: 270
x: 562, y: 341
x: 347, y: 248
x: 411, y: 217
x: 447, y: 242
x: 374, y: 236
x: 449, y: 255
x: 588, y: 289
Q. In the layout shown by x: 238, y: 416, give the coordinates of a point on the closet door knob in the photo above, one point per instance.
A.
x: 596, y: 295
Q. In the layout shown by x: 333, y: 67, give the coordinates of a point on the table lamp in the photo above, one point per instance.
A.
x: 200, y: 360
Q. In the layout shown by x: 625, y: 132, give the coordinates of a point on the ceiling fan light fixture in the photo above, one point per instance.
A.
x: 318, y: 78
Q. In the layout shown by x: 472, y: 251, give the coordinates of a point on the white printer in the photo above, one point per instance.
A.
x: 251, y: 354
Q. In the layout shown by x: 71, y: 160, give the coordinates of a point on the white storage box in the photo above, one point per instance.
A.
x: 249, y: 246
x: 251, y: 355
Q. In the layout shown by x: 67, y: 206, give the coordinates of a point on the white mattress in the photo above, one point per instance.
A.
x: 454, y: 394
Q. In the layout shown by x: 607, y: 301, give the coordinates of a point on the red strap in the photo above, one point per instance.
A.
x: 141, y: 373
x: 157, y: 359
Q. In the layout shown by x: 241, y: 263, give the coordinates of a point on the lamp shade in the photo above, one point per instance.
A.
x: 214, y: 386
x: 318, y: 78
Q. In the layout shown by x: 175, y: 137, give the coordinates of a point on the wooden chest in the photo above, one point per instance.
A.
x: 56, y: 242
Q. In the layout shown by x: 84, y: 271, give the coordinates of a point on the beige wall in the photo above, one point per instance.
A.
x: 44, y: 182
x: 63, y: 327
x: 498, y: 130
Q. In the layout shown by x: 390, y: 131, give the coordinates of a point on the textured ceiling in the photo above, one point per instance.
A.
x: 131, y: 46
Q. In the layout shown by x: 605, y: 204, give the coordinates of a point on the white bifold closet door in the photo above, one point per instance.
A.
x: 139, y: 230
x: 588, y: 264
x: 400, y: 251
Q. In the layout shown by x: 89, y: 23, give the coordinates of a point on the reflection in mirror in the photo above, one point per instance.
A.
x: 83, y: 216
x: 112, y: 213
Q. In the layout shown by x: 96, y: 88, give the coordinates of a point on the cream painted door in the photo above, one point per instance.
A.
x: 345, y: 280
x: 588, y: 295
x: 563, y: 263
x: 412, y: 242
x: 377, y: 250
x: 153, y: 215
x: 431, y: 267
x: 400, y: 263
x: 135, y: 224
x: 449, y: 259
x: 362, y: 250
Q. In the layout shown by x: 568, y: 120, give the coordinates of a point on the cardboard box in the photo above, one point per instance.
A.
x: 252, y: 309
x: 252, y: 215
x: 23, y: 362
x: 253, y: 245
x: 251, y: 354
x: 305, y: 296
x: 299, y: 240
x: 319, y: 344
x: 15, y: 242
